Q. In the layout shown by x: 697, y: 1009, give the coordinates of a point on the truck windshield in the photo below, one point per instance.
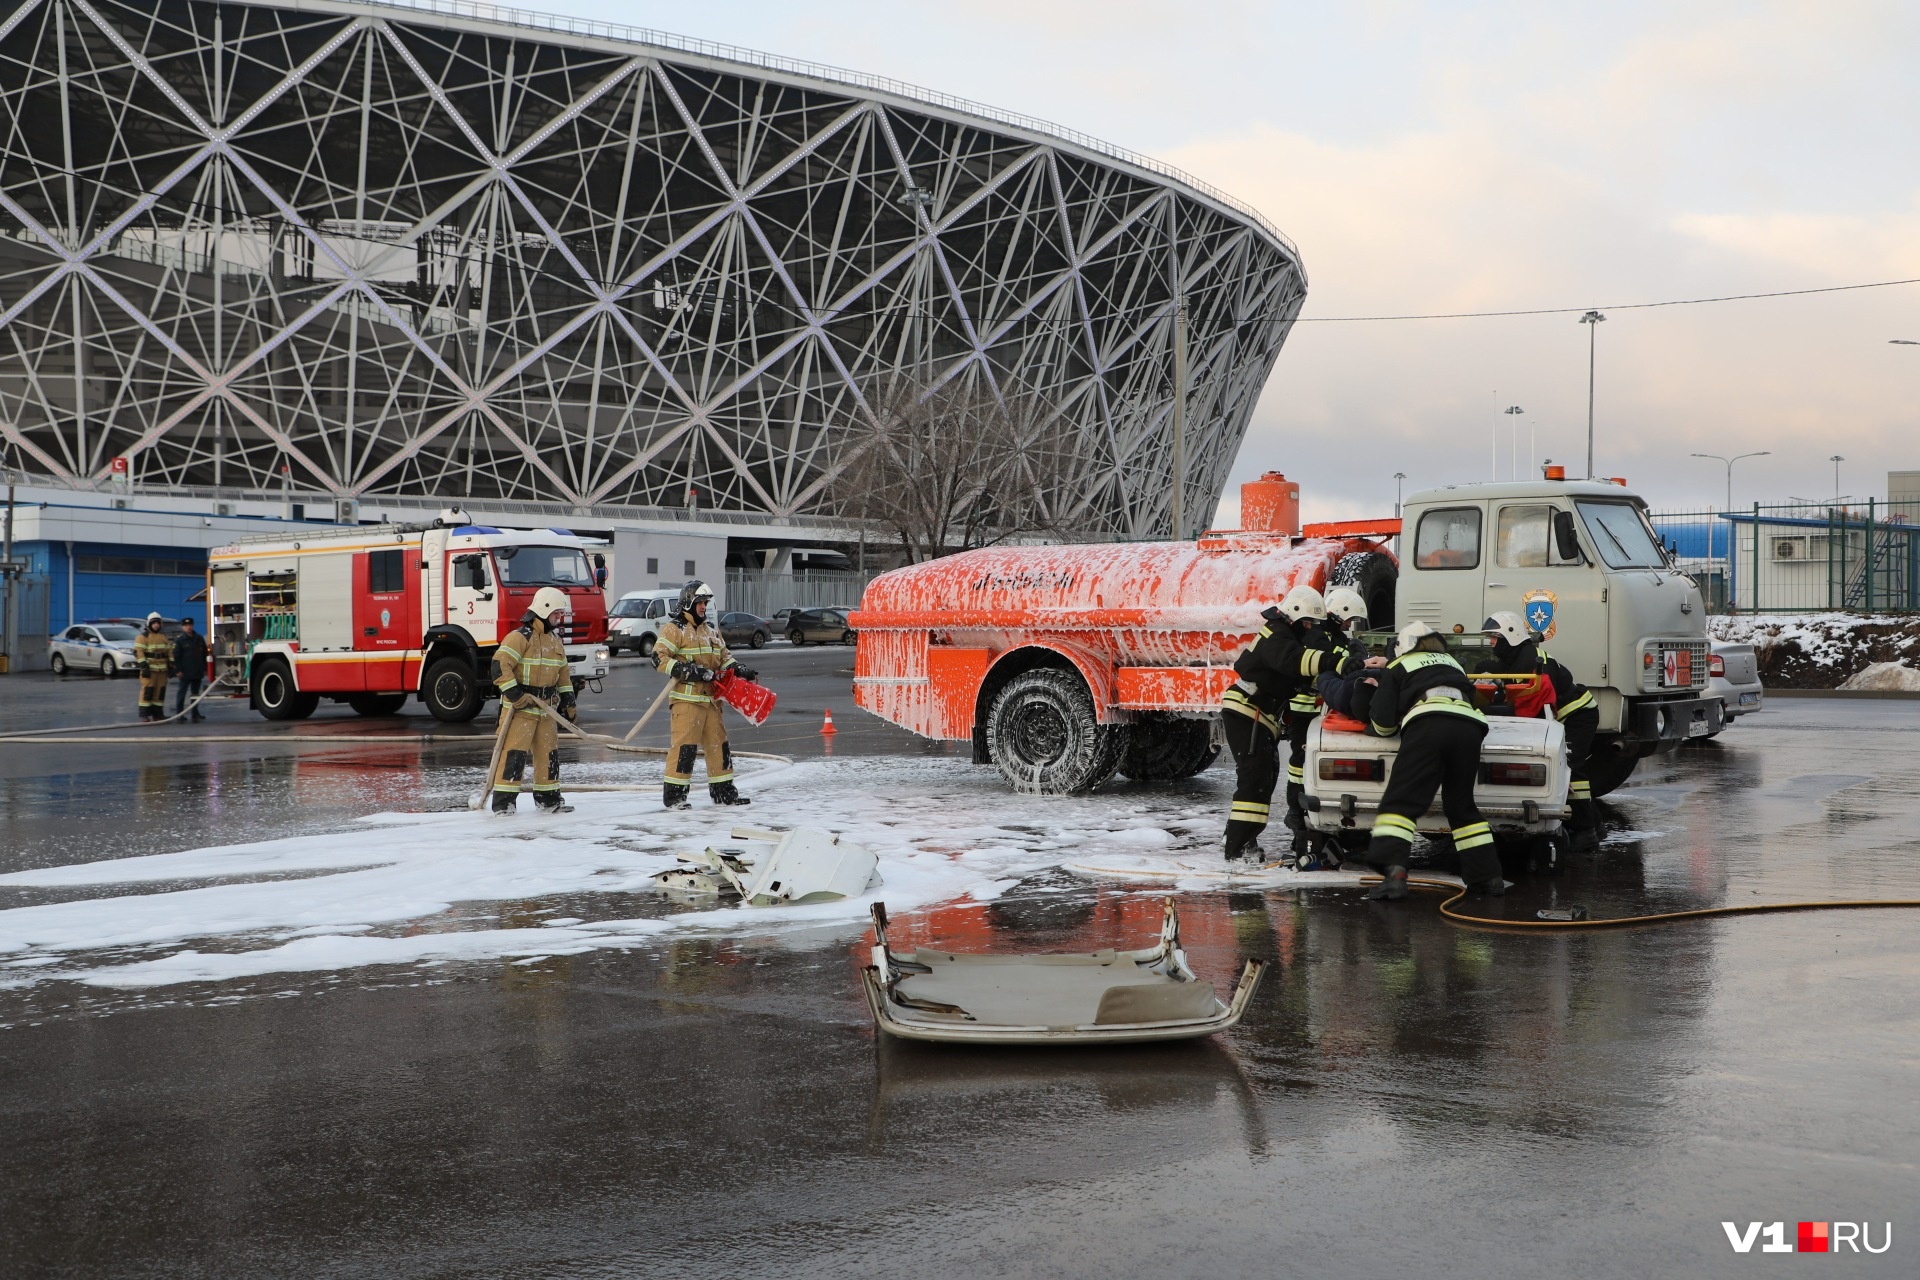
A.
x: 1622, y: 534
x: 543, y: 566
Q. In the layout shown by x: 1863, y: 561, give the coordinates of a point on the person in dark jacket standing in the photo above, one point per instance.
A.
x: 1426, y: 698
x: 190, y: 660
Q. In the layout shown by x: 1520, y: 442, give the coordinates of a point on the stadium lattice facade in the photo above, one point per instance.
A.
x: 458, y: 251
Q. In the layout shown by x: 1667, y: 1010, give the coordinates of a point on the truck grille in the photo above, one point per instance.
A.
x: 1673, y: 665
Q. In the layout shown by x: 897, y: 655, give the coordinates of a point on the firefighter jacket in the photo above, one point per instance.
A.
x: 1274, y: 668
x: 1554, y: 688
x: 1415, y: 684
x: 1324, y: 636
x: 533, y: 662
x: 682, y: 639
x: 154, y: 652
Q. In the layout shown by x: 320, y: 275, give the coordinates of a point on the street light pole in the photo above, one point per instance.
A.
x: 1718, y: 457
x: 1513, y: 441
x: 1592, y: 320
x: 1836, y: 460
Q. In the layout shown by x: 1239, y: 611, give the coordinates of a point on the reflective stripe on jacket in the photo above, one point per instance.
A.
x: 682, y: 639
x: 536, y: 660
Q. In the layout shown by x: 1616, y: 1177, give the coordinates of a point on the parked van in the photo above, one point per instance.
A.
x: 634, y: 621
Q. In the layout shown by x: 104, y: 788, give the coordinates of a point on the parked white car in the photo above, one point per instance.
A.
x: 1733, y: 676
x: 103, y: 647
x: 634, y: 621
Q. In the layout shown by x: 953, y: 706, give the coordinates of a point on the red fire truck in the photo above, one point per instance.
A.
x: 370, y: 615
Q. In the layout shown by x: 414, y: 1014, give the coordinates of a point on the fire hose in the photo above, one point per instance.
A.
x: 1615, y: 922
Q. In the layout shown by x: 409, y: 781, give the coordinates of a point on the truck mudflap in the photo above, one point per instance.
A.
x: 1521, y: 791
x: 1676, y: 720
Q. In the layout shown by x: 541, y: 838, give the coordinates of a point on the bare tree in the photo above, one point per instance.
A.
x: 960, y: 467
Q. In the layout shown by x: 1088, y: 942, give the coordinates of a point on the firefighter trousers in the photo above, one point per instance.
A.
x: 1256, y: 763
x: 697, y: 727
x: 153, y: 692
x: 1439, y: 751
x: 531, y: 739
x: 1297, y: 723
x: 1580, y: 727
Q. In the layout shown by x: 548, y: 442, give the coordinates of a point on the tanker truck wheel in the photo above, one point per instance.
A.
x: 1163, y: 747
x: 1372, y: 575
x: 1046, y: 738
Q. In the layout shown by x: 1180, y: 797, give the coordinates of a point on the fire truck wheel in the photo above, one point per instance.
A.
x: 451, y: 691
x: 1374, y: 577
x: 1163, y: 747
x: 1046, y: 738
x: 275, y: 695
x: 377, y: 704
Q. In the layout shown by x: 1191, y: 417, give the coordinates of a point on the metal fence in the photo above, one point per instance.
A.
x: 762, y: 593
x: 1800, y: 557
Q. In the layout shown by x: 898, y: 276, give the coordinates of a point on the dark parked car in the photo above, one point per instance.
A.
x: 781, y: 617
x: 745, y: 628
x: 821, y: 626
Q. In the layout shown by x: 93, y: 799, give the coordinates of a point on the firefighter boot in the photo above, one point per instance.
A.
x: 505, y: 803
x: 726, y: 793
x: 550, y: 802
x: 1584, y: 829
x: 674, y: 796
x: 1302, y: 849
x: 1393, y: 884
x: 1243, y: 841
x: 1480, y: 868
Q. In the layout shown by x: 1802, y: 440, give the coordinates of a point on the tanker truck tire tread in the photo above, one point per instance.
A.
x: 1046, y: 738
x: 1163, y: 748
x: 1608, y: 767
x: 1374, y: 576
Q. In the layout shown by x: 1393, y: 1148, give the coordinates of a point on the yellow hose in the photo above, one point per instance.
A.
x: 1613, y: 922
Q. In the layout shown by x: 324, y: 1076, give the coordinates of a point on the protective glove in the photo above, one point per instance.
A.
x: 745, y: 673
x: 1350, y: 662
x: 568, y: 707
x: 522, y: 698
x: 691, y: 672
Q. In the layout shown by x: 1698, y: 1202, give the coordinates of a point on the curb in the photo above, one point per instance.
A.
x: 1898, y: 695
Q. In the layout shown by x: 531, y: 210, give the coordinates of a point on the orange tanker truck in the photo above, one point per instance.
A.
x: 1064, y: 664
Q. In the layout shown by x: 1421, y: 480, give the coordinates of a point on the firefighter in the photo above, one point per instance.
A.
x: 154, y: 654
x: 1424, y: 696
x: 530, y: 670
x: 1554, y: 692
x: 1336, y: 687
x: 1325, y: 633
x: 1276, y: 667
x: 691, y: 652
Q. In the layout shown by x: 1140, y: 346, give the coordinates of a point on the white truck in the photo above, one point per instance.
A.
x: 370, y: 615
x: 1581, y: 562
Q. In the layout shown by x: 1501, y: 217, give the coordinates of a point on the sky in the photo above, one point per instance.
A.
x: 1489, y: 156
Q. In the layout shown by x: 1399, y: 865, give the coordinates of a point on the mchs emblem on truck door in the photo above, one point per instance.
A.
x: 1538, y: 607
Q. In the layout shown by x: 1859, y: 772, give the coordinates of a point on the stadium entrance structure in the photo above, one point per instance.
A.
x: 460, y: 252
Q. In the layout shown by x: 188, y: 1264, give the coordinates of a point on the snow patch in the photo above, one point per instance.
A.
x: 1885, y: 675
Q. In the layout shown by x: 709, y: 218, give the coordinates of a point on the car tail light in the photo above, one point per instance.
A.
x: 1717, y: 666
x: 1336, y: 770
x: 1513, y: 773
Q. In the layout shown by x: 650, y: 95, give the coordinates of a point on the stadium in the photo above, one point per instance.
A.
x: 456, y: 251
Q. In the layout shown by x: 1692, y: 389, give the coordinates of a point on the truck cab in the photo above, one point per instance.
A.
x: 1580, y: 561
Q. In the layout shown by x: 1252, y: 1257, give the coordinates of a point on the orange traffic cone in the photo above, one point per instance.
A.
x: 828, y: 726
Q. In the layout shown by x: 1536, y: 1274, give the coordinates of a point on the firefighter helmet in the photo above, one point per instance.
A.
x: 1509, y: 626
x: 154, y: 617
x: 1345, y: 604
x: 1303, y: 602
x: 1411, y: 635
x: 695, y: 592
x: 548, y: 601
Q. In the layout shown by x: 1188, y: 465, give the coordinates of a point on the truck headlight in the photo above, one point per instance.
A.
x: 601, y: 654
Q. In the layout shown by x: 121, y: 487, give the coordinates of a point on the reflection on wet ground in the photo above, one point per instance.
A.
x: 1404, y: 1097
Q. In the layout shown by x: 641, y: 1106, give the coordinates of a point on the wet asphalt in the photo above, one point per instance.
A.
x: 1407, y: 1097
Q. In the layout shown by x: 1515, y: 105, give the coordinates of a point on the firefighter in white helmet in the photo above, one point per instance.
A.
x: 1553, y: 692
x: 530, y: 670
x: 1273, y: 671
x: 1425, y: 697
x: 692, y: 653
x: 154, y: 654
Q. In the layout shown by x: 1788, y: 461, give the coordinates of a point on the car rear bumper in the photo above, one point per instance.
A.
x: 1676, y: 720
